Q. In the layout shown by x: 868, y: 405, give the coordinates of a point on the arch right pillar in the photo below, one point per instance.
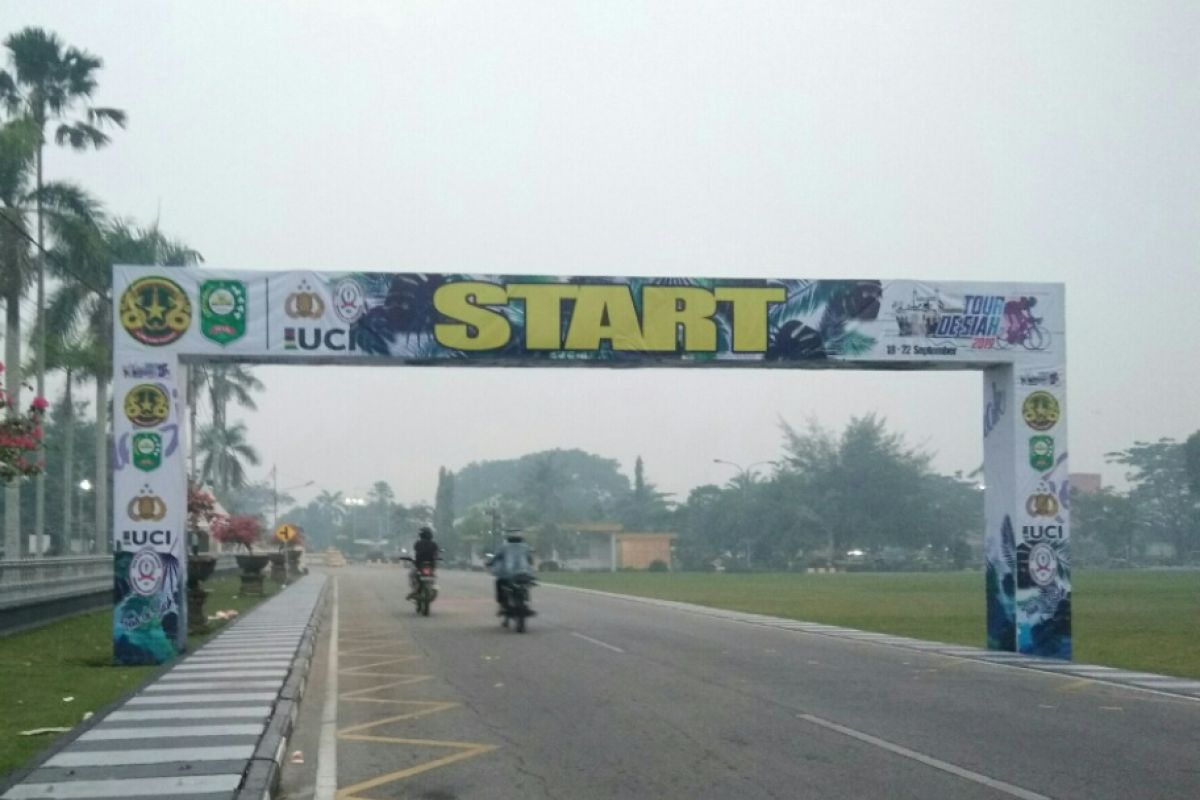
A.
x: 1027, y: 509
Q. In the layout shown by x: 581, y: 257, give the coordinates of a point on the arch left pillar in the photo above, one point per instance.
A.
x: 149, y: 508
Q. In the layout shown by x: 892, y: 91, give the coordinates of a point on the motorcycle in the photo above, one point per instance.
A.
x: 516, y: 601
x: 426, y: 589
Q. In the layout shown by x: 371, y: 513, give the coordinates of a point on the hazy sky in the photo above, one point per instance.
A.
x: 1014, y: 141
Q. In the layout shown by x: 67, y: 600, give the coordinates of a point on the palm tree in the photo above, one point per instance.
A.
x: 83, y: 303
x: 18, y: 198
x: 230, y: 382
x: 47, y: 83
x: 224, y: 450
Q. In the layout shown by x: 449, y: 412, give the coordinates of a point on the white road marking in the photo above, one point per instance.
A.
x: 221, y: 674
x: 199, y: 666
x: 230, y: 697
x: 161, y: 755
x: 126, y: 787
x: 198, y: 686
x: 930, y: 761
x: 326, y: 783
x: 220, y: 712
x: 113, y: 733
x: 614, y: 648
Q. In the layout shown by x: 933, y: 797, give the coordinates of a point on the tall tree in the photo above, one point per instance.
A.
x: 230, y: 382
x: 645, y: 507
x: 47, y: 83
x: 443, y: 509
x: 226, y: 452
x: 1166, y: 507
x: 63, y: 203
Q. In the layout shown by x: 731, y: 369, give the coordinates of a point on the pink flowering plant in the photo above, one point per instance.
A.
x: 243, y: 529
x: 201, y: 506
x: 20, y: 438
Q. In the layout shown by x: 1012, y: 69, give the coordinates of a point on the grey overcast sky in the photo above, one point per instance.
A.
x: 990, y: 141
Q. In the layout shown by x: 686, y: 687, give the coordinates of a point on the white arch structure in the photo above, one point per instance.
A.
x: 1013, y: 333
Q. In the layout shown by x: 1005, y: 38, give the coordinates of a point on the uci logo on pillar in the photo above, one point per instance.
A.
x: 312, y: 331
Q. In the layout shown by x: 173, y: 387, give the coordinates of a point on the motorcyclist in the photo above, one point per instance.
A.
x: 513, y: 559
x: 425, y: 554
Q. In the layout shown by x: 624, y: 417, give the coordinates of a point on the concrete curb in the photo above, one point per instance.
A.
x: 261, y: 779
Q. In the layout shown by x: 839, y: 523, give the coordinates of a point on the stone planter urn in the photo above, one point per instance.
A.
x: 293, y: 560
x: 252, y: 565
x: 200, y: 569
x: 279, y: 571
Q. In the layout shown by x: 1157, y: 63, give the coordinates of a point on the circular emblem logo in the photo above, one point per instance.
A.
x: 349, y: 300
x: 1043, y: 564
x: 1040, y: 411
x: 145, y: 447
x: 146, y: 572
x: 1041, y: 447
x: 221, y: 301
x: 147, y: 405
x: 155, y: 311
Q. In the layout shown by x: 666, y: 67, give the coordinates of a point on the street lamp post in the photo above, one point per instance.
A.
x: 85, y: 486
x: 275, y: 495
x: 746, y: 477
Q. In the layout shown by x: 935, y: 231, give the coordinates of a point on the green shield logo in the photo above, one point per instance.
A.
x: 147, y: 451
x: 1041, y: 452
x: 223, y: 311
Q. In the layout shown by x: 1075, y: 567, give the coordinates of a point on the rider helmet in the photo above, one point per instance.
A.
x: 426, y: 532
x: 515, y: 538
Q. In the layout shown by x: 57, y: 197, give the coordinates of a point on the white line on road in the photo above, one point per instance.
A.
x: 936, y: 763
x: 127, y: 787
x: 614, y: 648
x: 105, y: 733
x: 326, y: 783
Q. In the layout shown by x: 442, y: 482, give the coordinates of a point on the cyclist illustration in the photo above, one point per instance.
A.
x: 1021, y: 326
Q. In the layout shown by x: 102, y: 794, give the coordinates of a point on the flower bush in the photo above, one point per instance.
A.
x: 20, y: 438
x: 242, y: 529
x: 201, y: 506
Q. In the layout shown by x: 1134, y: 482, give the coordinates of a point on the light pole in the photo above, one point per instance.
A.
x: 745, y: 478
x: 275, y: 495
x: 354, y: 502
x: 85, y: 486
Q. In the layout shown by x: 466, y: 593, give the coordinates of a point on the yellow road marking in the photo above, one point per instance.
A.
x: 359, y: 669
x: 467, y: 750
x: 404, y: 680
x: 430, y: 707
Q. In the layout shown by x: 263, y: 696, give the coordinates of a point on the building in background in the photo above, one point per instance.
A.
x: 1086, y: 482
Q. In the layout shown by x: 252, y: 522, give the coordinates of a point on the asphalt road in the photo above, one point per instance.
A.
x: 607, y: 698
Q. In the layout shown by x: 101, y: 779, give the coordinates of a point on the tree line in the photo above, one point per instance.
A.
x: 58, y: 242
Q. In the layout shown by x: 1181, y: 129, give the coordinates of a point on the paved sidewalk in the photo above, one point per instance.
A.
x: 214, y: 726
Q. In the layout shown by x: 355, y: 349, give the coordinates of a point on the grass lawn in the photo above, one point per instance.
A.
x: 1136, y: 619
x: 73, y: 658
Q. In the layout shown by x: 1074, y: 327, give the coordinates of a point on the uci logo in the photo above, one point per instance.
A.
x: 304, y: 303
x: 1042, y: 533
x: 335, y: 339
x: 160, y: 538
x: 155, y: 311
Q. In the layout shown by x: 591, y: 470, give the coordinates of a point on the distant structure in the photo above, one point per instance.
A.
x: 1086, y: 482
